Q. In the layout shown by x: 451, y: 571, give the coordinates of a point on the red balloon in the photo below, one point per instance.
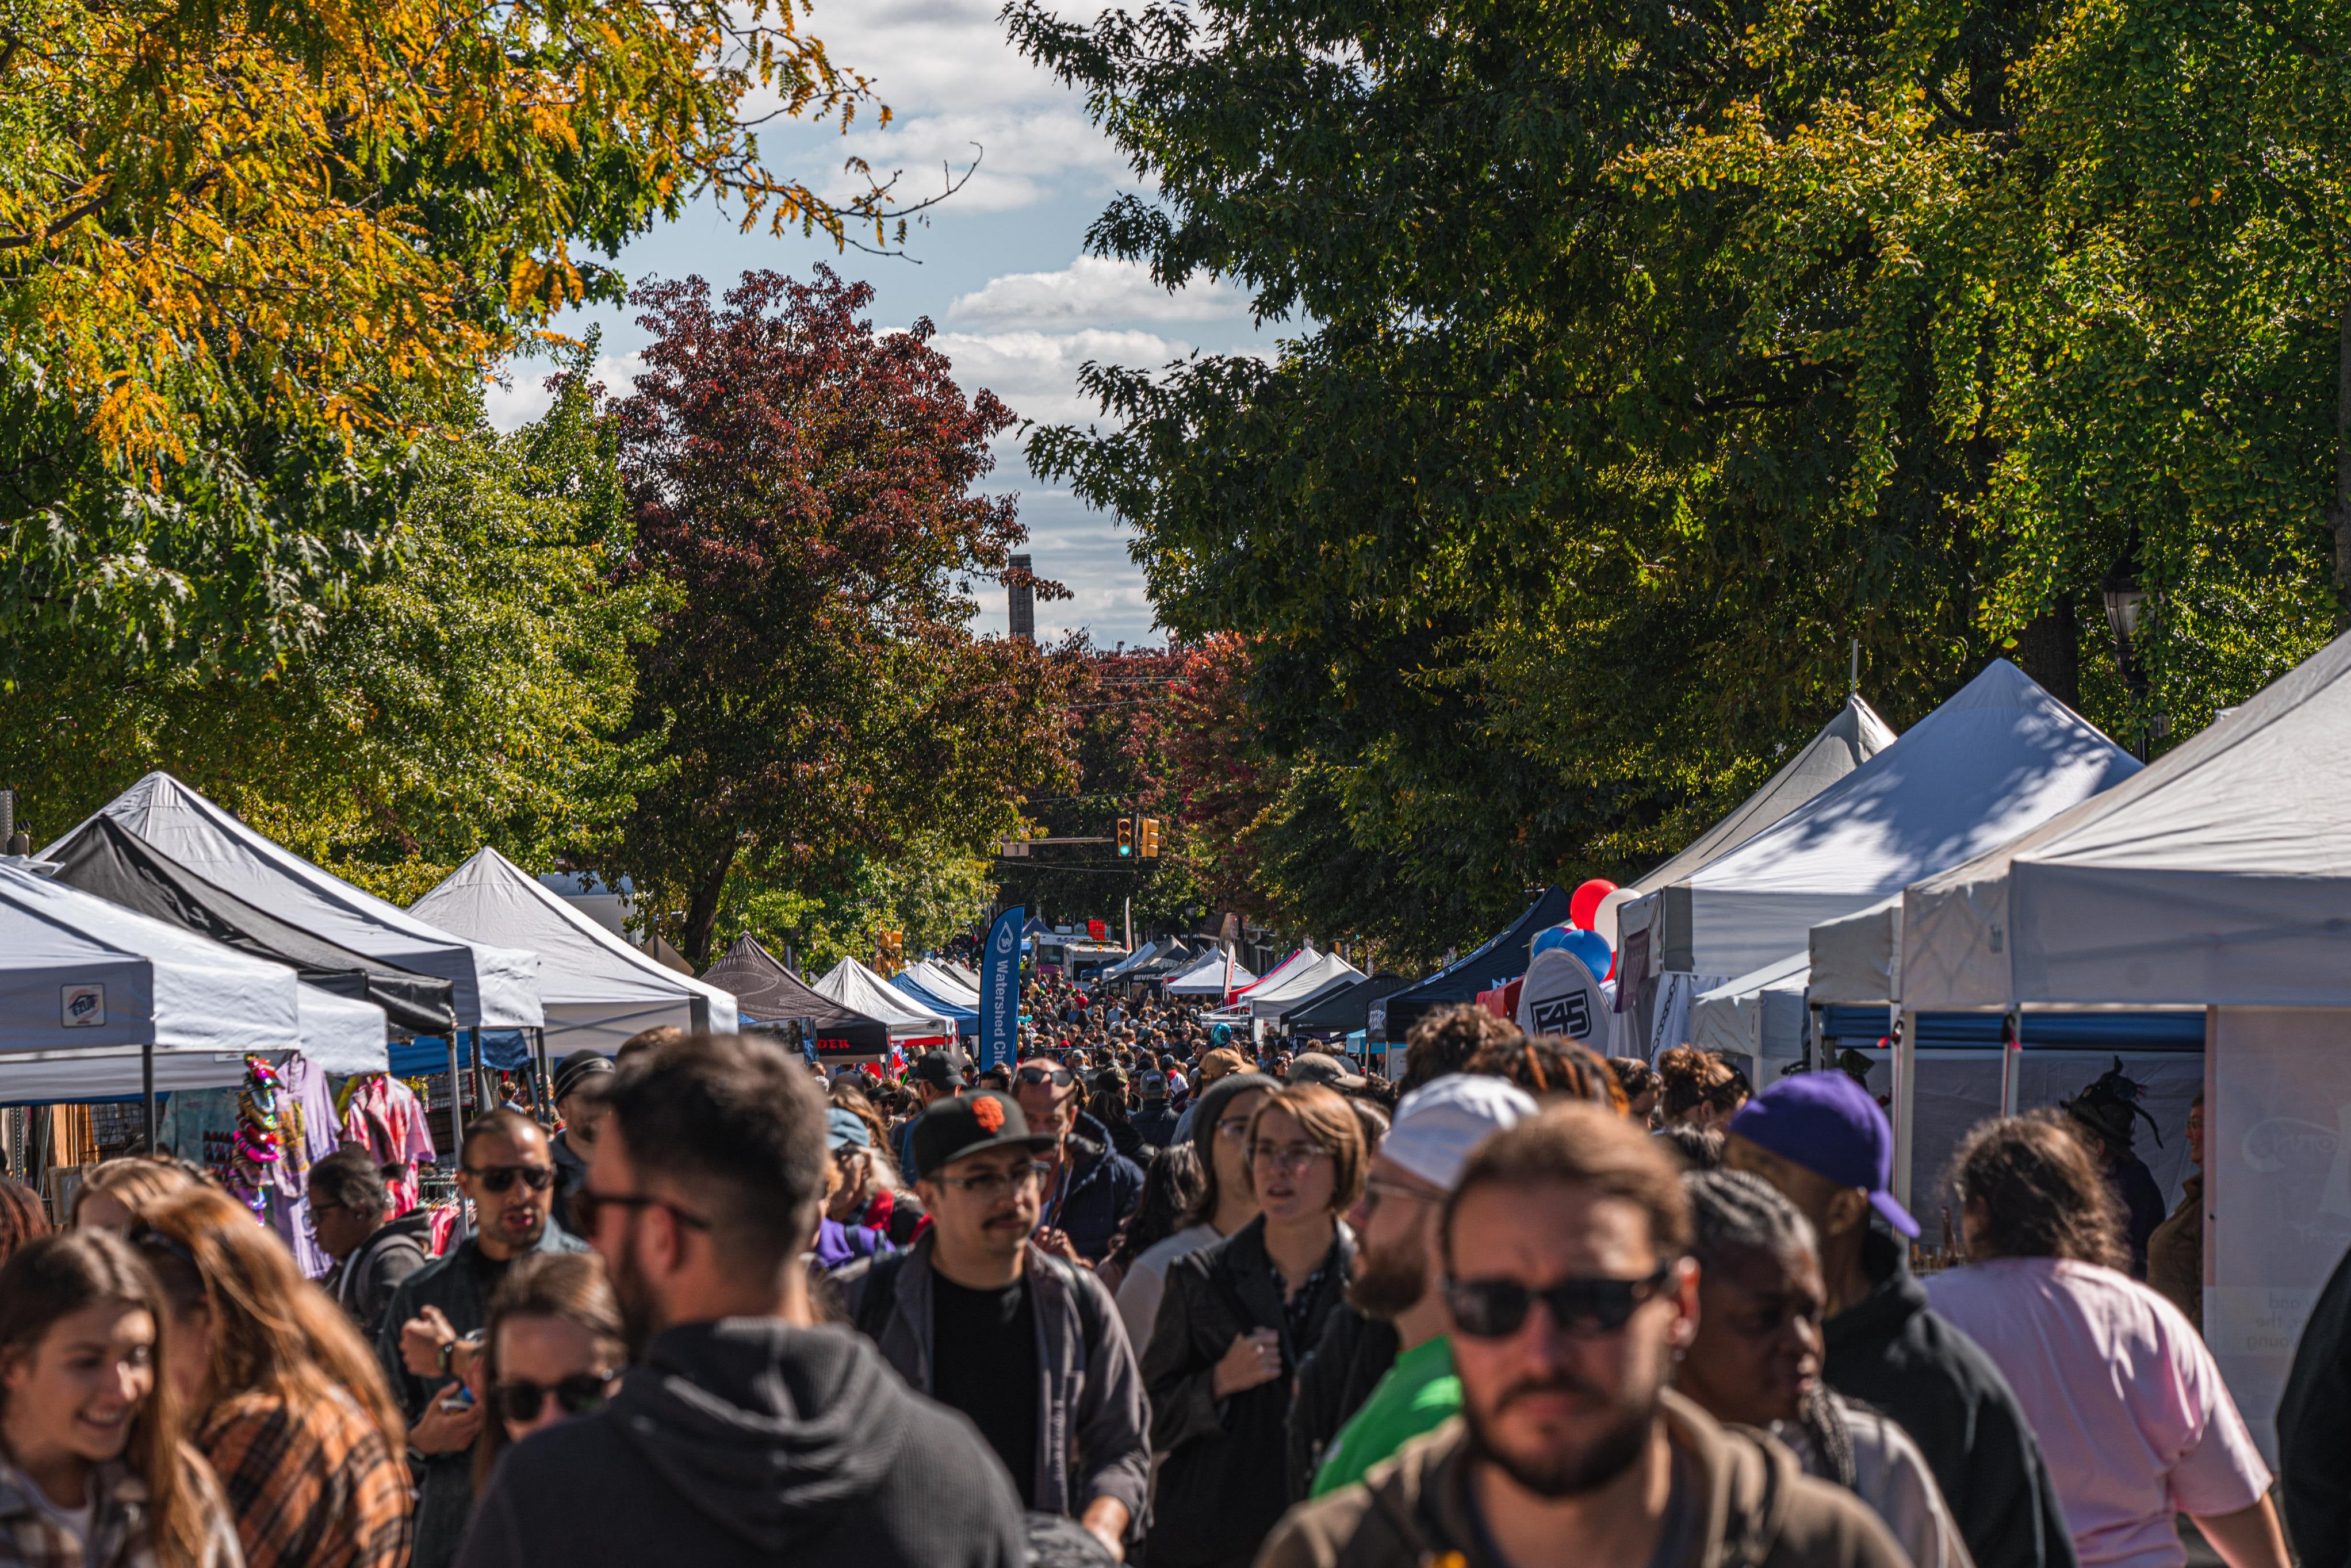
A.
x: 1583, y: 904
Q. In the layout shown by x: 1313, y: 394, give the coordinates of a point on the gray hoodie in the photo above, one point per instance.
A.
x: 751, y: 1441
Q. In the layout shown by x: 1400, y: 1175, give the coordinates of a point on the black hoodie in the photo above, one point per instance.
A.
x: 1889, y: 1350
x: 750, y: 1441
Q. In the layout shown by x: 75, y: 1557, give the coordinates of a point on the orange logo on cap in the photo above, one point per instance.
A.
x: 989, y: 1115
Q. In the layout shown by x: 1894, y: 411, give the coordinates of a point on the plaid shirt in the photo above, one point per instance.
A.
x: 31, y: 1537
x: 310, y: 1485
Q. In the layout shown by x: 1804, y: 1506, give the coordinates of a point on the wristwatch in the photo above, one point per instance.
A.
x: 449, y: 1348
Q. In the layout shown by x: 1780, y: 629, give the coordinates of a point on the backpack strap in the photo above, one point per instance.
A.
x: 881, y: 1297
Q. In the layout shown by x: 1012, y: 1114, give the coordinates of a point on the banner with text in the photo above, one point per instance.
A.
x: 999, y: 989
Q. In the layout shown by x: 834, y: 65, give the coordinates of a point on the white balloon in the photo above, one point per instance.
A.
x: 1603, y: 919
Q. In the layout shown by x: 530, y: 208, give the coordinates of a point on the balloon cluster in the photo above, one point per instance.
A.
x: 1584, y: 910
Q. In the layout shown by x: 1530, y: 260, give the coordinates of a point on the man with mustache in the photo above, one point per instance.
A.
x: 1028, y: 1344
x: 1565, y: 1248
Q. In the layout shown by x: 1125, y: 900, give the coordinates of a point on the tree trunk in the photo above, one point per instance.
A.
x: 2339, y: 517
x: 2048, y: 648
x: 702, y: 909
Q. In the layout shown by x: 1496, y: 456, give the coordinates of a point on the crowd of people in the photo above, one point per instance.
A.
x: 1153, y: 1291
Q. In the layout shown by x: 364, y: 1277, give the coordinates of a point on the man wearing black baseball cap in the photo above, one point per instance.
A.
x: 581, y: 1114
x: 936, y: 1075
x: 978, y: 1317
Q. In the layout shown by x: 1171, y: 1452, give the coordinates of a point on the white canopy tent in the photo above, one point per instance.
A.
x: 1289, y: 992
x: 496, y: 988
x: 1135, y: 960
x: 944, y: 983
x: 962, y: 972
x: 1997, y: 760
x: 1856, y: 960
x: 1215, y: 975
x: 860, y: 990
x: 87, y: 988
x: 1759, y: 1017
x: 595, y: 989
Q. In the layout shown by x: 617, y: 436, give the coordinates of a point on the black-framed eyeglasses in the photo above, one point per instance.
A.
x: 1496, y: 1309
x: 588, y: 1205
x: 520, y: 1401
x: 1058, y: 1077
x: 990, y: 1186
x: 498, y: 1178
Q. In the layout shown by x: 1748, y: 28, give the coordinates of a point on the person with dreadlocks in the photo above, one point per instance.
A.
x: 1756, y: 1360
x: 2107, y: 1112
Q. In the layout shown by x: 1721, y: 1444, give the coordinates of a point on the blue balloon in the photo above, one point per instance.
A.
x: 1555, y: 936
x: 1593, y: 949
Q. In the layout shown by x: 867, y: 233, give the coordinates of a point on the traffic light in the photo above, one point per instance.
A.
x: 1149, y: 848
x: 1125, y: 837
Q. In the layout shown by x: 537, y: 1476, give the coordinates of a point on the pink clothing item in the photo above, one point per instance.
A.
x: 2134, y: 1421
x: 384, y: 1114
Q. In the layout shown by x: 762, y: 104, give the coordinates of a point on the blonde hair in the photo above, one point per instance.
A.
x: 135, y: 1182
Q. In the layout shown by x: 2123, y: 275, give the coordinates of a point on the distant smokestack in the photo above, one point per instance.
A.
x: 1022, y: 604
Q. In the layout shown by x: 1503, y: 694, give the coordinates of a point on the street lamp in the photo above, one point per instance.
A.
x: 2126, y: 604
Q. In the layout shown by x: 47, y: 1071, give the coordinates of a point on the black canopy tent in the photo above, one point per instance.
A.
x: 1503, y: 958
x: 768, y: 993
x: 108, y: 860
x: 1346, y: 1010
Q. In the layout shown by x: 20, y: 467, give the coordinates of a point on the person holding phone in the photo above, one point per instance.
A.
x: 431, y: 1329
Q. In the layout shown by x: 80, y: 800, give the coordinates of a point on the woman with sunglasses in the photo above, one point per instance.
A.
x: 1234, y: 1321
x: 93, y: 1469
x: 281, y: 1393
x: 554, y: 1349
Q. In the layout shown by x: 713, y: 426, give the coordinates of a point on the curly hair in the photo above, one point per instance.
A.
x: 2042, y: 1193
x: 1552, y: 1068
x: 1445, y: 1041
x: 1693, y: 1078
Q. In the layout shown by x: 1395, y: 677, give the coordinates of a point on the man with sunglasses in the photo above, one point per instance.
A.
x: 1383, y: 1373
x: 1089, y: 1187
x: 1563, y: 1248
x: 1028, y: 1344
x: 433, y: 1325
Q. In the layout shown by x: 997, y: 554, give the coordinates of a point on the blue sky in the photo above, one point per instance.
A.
x: 998, y: 267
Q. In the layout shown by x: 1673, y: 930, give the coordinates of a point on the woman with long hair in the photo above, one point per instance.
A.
x: 284, y: 1398
x: 2134, y: 1423
x: 552, y: 1349
x: 1171, y: 1184
x: 115, y: 1192
x: 1235, y: 1321
x: 21, y: 1218
x: 93, y: 1469
x: 1219, y: 1145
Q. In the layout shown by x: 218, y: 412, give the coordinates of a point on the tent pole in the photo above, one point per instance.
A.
x: 147, y: 1090
x: 1906, y: 1089
x: 2011, y: 1060
x: 456, y: 1127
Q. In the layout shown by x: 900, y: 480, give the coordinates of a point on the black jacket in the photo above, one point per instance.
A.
x: 1224, y: 1478
x: 749, y: 1441
x: 2313, y: 1430
x: 1103, y: 1189
x: 1353, y: 1353
x: 1156, y: 1123
x: 364, y: 1281
x: 1889, y: 1350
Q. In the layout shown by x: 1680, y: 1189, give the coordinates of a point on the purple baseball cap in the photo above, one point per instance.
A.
x: 1828, y: 1123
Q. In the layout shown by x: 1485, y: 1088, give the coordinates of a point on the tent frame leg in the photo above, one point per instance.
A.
x: 2012, y: 1061
x: 1906, y: 1090
x: 147, y: 1091
x: 456, y: 1130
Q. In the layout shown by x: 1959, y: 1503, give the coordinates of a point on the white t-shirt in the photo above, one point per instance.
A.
x: 1146, y: 1278
x: 1892, y: 1477
x: 2134, y: 1420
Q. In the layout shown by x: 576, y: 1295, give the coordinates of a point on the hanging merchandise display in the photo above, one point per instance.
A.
x: 383, y: 1115
x: 258, y: 1140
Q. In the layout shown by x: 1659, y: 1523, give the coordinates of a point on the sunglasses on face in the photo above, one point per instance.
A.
x: 498, y: 1178
x: 1496, y: 1309
x: 520, y: 1402
x: 1058, y: 1077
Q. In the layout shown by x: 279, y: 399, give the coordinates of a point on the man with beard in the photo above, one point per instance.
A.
x: 433, y: 1325
x: 980, y: 1318
x: 1563, y: 1248
x: 743, y: 1433
x: 1397, y: 1273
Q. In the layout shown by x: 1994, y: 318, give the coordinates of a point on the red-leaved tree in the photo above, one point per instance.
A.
x: 804, y: 485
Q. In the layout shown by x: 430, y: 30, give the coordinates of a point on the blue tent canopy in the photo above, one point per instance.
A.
x: 1864, y: 1027
x: 501, y: 1048
x: 966, y: 1021
x: 1502, y: 959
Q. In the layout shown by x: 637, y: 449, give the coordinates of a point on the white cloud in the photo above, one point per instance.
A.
x: 1036, y: 373
x: 1013, y: 158
x: 1093, y: 289
x: 522, y: 396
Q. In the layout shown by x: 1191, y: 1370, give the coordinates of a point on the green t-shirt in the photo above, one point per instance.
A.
x: 1419, y: 1395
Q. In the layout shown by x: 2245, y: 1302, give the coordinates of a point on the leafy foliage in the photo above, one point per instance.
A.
x: 803, y: 484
